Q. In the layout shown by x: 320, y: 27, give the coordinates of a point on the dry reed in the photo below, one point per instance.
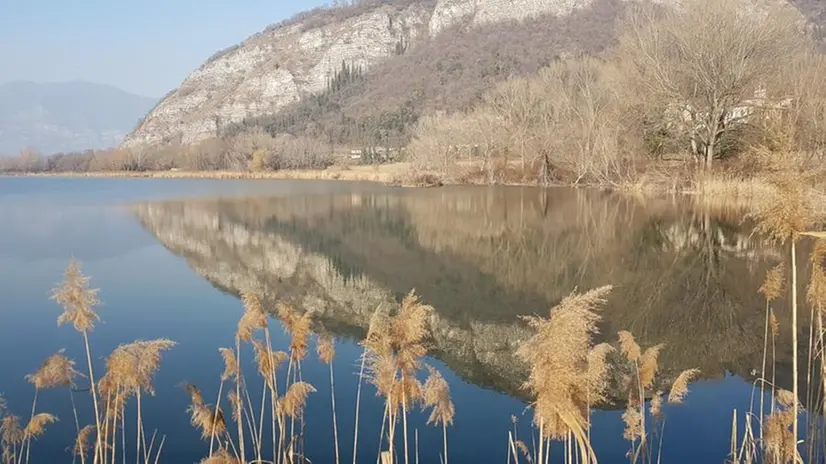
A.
x: 560, y: 378
x: 82, y: 442
x: 437, y: 396
x: 56, y: 371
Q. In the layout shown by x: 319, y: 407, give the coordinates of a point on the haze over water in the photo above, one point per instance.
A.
x: 170, y: 257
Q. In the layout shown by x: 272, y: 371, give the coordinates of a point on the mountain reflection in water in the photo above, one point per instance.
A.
x: 483, y: 257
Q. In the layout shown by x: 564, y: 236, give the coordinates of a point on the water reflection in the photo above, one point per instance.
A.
x: 485, y: 256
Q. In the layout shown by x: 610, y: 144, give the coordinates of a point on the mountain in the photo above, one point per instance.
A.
x: 363, y: 73
x: 66, y: 116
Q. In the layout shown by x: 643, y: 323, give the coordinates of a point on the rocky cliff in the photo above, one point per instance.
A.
x: 277, y: 67
x: 288, y: 62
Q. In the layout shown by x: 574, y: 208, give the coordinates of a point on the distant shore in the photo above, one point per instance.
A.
x: 384, y: 173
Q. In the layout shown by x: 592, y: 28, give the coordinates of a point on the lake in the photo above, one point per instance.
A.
x: 171, y: 256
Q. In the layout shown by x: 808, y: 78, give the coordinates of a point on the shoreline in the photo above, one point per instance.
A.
x: 386, y: 174
x: 712, y: 189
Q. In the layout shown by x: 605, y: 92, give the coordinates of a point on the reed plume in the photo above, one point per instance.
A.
x: 656, y: 405
x: 204, y: 417
x: 11, y: 436
x: 37, y: 425
x: 395, y: 346
x: 437, y: 396
x: 679, y: 389
x: 132, y: 367
x: 326, y: 350
x: 56, y: 371
x: 253, y: 317
x: 293, y: 402
x: 82, y: 442
x: 597, y: 373
x: 231, y: 367
x: 778, y: 436
x: 648, y: 365
x: 78, y: 301
x: 560, y: 379
x: 773, y: 284
x: 268, y: 361
x: 298, y: 326
x: 232, y: 397
x: 628, y: 346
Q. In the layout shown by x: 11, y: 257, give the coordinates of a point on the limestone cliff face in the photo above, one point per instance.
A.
x: 275, y: 68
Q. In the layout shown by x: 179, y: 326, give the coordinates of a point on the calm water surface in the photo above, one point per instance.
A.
x: 170, y: 257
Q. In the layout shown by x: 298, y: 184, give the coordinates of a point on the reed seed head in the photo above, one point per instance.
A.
x: 325, y: 347
x: 523, y: 448
x: 268, y: 361
x: 437, y: 396
x: 774, y: 324
x: 253, y: 317
x: 82, y: 440
x: 298, y: 326
x: 785, y: 398
x: 628, y: 346
x: 816, y: 293
x: 195, y: 395
x: 235, y: 402
x: 633, y: 422
x: 231, y: 367
x: 679, y: 389
x: 133, y: 365
x: 648, y: 365
x: 786, y: 213
x: 560, y: 379
x: 293, y: 402
x: 656, y: 406
x: 778, y: 438
x: 37, y: 425
x: 772, y: 286
x: 77, y: 299
x: 56, y: 371
x: 598, y: 370
x: 10, y: 432
x: 206, y: 419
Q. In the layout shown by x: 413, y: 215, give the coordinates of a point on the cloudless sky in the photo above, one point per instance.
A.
x: 142, y: 46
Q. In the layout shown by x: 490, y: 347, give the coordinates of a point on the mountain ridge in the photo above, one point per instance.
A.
x: 66, y: 116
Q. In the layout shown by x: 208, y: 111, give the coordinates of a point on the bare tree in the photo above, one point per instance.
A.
x: 705, y: 64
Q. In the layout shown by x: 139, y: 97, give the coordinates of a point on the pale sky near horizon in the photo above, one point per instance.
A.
x: 146, y: 47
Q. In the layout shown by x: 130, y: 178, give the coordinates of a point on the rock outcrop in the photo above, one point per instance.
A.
x: 275, y: 68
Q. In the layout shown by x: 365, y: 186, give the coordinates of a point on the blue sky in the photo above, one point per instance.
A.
x: 146, y: 47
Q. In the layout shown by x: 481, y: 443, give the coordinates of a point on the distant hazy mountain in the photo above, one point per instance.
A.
x: 66, y: 116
